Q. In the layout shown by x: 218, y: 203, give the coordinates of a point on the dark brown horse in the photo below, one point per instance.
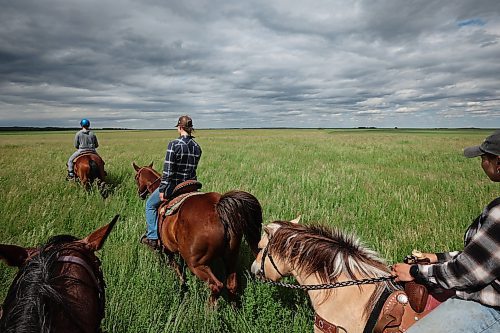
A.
x: 206, y: 227
x: 89, y: 167
x: 59, y: 286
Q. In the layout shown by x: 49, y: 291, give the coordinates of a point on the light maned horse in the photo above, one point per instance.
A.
x: 59, y: 286
x: 207, y: 227
x: 89, y: 167
x: 319, y: 255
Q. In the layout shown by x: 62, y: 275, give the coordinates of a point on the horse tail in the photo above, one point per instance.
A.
x: 241, y: 213
x: 94, y: 170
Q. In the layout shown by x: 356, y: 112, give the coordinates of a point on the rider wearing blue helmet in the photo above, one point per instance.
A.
x: 85, y: 141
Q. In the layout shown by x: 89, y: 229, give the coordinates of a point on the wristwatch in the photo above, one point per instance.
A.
x: 415, y: 273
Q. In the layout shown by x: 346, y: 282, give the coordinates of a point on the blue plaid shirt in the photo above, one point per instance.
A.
x: 181, y: 160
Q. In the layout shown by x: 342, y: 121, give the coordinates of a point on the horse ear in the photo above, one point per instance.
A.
x: 271, y: 228
x: 13, y: 255
x: 96, y: 240
x: 296, y: 220
x: 150, y: 165
x: 136, y: 167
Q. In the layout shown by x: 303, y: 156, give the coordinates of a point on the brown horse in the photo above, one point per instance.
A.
x: 89, y: 167
x: 206, y: 227
x: 350, y: 287
x: 59, y: 286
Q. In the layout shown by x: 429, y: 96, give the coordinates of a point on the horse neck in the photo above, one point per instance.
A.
x: 151, y: 176
x: 344, y: 306
x: 80, y: 287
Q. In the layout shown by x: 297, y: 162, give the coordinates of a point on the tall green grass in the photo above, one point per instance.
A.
x: 396, y: 189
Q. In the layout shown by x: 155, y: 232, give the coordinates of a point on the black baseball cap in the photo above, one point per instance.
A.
x: 490, y: 145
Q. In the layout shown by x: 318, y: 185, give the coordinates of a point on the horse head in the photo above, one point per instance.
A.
x: 59, y: 286
x: 147, y: 179
x: 268, y: 264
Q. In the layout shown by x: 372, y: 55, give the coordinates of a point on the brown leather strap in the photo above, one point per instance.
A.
x: 392, y: 312
x: 323, y: 325
x: 81, y: 262
x: 397, y: 315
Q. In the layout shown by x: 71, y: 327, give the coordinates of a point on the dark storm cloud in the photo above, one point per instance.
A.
x: 250, y: 63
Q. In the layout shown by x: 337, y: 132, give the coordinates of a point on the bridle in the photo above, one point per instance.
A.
x: 265, y: 253
x: 262, y: 274
x: 95, y: 274
x: 148, y: 187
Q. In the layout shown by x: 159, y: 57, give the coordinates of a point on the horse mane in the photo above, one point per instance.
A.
x: 328, y: 252
x: 32, y: 295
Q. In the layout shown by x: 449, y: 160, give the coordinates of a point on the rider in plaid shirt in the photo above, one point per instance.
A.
x: 180, y: 164
x: 474, y: 273
x: 181, y: 160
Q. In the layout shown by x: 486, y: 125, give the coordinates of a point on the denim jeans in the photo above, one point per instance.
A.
x: 152, y: 205
x: 459, y: 316
x: 75, y: 155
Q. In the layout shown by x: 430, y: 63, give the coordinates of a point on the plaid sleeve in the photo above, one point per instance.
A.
x: 445, y: 256
x: 168, y: 169
x: 477, y: 265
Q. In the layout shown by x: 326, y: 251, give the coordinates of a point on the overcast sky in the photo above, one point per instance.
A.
x: 250, y: 63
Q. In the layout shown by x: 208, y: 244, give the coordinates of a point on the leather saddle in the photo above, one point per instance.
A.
x: 85, y: 154
x: 181, y: 192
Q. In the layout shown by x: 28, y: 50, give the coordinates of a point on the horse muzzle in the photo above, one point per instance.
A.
x: 256, y: 270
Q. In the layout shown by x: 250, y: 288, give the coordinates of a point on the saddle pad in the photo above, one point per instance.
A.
x: 171, y: 207
x: 83, y: 154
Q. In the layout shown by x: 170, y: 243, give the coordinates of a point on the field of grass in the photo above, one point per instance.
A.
x: 396, y: 189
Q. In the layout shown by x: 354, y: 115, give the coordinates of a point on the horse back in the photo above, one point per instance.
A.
x: 89, y: 166
x: 195, y: 230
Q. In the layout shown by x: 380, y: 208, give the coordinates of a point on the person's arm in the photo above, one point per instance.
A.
x: 76, y: 141
x: 96, y: 143
x: 168, y: 170
x: 478, y: 264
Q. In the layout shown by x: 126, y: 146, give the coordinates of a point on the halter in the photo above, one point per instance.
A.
x: 268, y: 254
x: 347, y: 283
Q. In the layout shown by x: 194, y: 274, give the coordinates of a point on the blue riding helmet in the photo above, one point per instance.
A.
x: 85, y: 123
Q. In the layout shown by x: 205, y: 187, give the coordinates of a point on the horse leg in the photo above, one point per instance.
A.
x: 231, y: 259
x: 169, y: 258
x: 205, y: 274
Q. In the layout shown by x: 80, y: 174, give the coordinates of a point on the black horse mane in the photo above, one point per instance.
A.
x: 32, y: 294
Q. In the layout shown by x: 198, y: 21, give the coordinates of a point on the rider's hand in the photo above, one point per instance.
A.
x: 402, y: 272
x: 431, y: 256
x: 162, y: 196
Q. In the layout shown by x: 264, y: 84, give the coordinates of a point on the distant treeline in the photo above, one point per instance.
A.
x: 22, y: 128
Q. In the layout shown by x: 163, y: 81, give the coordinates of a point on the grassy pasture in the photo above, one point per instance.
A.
x: 396, y: 189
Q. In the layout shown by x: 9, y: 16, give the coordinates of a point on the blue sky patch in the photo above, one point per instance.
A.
x: 469, y: 22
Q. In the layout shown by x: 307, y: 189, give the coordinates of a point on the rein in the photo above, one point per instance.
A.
x: 312, y: 286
